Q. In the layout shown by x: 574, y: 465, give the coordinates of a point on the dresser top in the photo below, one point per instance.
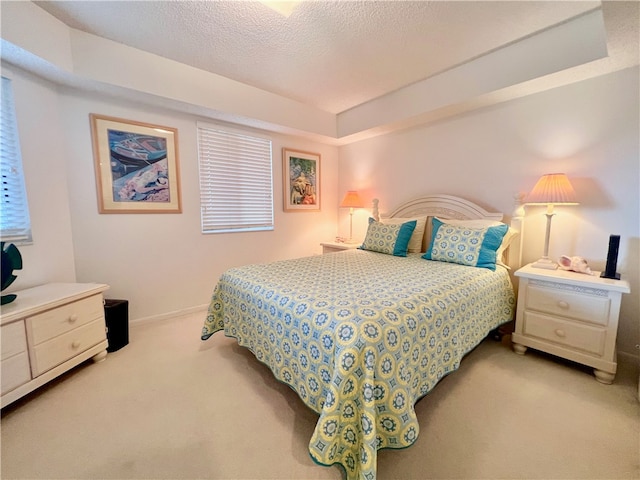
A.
x: 574, y: 278
x: 44, y: 297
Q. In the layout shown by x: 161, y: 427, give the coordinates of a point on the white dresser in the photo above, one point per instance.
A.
x: 571, y: 315
x: 46, y: 331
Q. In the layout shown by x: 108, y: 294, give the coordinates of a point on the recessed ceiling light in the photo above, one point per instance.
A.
x: 283, y: 8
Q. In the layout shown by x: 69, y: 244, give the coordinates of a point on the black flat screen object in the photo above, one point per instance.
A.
x: 116, y: 316
x: 612, y: 259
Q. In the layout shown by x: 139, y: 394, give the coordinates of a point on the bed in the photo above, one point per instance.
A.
x: 362, y: 335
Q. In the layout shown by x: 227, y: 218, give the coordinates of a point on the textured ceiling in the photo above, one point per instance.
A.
x: 330, y: 55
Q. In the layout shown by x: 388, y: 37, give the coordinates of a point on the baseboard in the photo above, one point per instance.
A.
x: 170, y: 315
x: 628, y: 358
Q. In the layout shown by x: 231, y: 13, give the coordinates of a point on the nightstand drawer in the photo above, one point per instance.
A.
x: 589, y: 308
x: 63, y: 319
x: 565, y: 332
x: 56, y: 351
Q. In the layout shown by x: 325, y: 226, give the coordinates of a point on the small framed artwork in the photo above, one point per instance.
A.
x: 301, y: 181
x: 136, y: 166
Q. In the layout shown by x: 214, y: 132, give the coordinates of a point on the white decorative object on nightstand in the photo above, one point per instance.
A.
x: 330, y: 247
x: 571, y: 315
x: 46, y: 331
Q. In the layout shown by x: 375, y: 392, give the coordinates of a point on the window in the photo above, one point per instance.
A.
x: 236, y: 185
x: 15, y: 225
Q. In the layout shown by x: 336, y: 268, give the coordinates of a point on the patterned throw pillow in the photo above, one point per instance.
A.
x: 389, y: 239
x: 473, y: 246
x: 477, y: 222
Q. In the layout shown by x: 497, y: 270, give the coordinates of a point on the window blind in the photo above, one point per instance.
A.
x: 236, y: 183
x: 15, y: 225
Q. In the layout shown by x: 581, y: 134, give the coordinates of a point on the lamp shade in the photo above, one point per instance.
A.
x: 352, y: 199
x: 552, y: 188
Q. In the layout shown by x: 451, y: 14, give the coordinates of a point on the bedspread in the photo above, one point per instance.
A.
x: 360, y: 336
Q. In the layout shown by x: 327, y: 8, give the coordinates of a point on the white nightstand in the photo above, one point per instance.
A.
x: 330, y: 247
x: 571, y: 315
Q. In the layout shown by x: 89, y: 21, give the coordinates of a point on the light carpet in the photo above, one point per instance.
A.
x: 170, y: 406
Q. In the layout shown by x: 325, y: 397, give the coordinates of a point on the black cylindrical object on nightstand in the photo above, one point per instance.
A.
x: 116, y: 315
x: 612, y: 259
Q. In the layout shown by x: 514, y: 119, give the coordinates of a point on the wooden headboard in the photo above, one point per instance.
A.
x: 451, y: 207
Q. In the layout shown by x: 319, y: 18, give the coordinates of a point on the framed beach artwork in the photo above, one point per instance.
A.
x: 301, y: 180
x: 136, y: 166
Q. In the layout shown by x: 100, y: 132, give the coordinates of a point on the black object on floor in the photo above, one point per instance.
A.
x: 116, y: 314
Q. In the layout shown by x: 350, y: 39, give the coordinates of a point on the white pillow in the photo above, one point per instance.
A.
x: 506, y: 241
x: 415, y: 242
x: 480, y: 223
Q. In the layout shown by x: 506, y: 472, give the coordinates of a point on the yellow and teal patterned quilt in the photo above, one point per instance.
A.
x: 360, y: 336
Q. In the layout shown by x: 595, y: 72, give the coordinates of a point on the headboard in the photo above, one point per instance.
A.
x: 452, y: 207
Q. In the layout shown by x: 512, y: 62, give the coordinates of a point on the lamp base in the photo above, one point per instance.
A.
x: 351, y: 241
x: 545, y: 262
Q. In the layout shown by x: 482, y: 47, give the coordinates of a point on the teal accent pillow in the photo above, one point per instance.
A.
x: 389, y: 239
x: 473, y: 246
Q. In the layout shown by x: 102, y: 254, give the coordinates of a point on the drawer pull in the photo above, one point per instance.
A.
x: 561, y: 333
x: 72, y: 318
x: 75, y: 344
x: 563, y: 304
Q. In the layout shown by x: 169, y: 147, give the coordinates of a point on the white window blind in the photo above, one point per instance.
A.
x: 236, y: 183
x: 15, y: 225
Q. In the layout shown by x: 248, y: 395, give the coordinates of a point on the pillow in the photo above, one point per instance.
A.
x: 389, y: 239
x: 479, y: 222
x: 474, y: 246
x: 506, y: 241
x: 415, y: 242
x: 474, y: 222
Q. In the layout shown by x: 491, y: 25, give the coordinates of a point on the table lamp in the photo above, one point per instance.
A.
x: 552, y: 189
x: 351, y: 200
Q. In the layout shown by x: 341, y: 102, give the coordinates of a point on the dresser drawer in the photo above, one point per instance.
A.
x: 565, y: 332
x: 47, y: 355
x: 57, y: 321
x: 589, y: 308
x: 15, y: 371
x: 14, y: 340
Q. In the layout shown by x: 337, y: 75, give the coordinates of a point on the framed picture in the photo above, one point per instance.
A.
x: 136, y: 166
x: 301, y: 181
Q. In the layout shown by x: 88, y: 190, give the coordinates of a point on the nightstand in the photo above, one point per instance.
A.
x: 571, y: 315
x: 331, y: 247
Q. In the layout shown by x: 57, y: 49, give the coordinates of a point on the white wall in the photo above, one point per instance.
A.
x: 589, y: 130
x: 50, y: 258
x: 161, y: 263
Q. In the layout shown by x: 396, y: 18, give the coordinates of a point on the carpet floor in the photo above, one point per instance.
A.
x: 169, y: 406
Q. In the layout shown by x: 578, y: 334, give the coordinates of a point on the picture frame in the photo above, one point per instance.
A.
x: 301, y: 181
x: 136, y: 166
